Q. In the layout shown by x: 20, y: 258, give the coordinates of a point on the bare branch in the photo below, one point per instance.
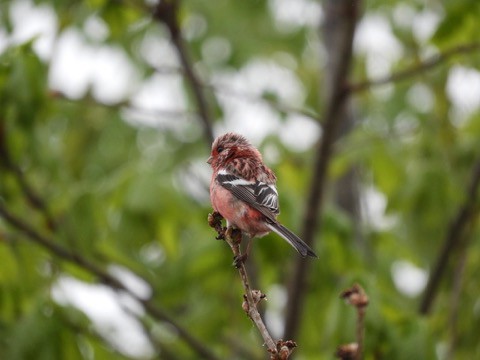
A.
x: 414, y: 70
x: 453, y: 239
x: 340, y: 21
x: 281, y: 350
x: 75, y: 258
x: 166, y: 12
x: 356, y: 297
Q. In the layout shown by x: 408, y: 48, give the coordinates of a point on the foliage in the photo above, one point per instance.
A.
x: 127, y: 188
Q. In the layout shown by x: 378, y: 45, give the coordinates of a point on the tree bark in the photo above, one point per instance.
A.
x: 338, y: 29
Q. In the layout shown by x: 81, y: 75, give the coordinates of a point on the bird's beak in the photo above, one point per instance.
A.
x: 209, y: 160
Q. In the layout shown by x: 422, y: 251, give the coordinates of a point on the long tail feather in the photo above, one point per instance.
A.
x: 292, y: 239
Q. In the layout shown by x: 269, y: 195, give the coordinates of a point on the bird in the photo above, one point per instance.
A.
x: 243, y: 190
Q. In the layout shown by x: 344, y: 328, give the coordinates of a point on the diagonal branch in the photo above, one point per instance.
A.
x: 75, y: 258
x: 453, y: 239
x: 27, y: 190
x: 409, y: 72
x: 341, y: 17
x: 166, y: 12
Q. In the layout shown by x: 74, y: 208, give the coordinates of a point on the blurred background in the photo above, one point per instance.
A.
x: 368, y: 112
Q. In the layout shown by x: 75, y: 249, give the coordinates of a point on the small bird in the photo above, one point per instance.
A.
x: 243, y: 191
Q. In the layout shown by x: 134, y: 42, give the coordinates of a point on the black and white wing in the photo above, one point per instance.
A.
x: 259, y: 195
x: 264, y: 198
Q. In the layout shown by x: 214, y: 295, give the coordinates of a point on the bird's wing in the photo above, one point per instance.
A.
x: 259, y: 195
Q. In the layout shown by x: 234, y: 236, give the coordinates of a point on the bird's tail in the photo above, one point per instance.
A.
x: 292, y: 239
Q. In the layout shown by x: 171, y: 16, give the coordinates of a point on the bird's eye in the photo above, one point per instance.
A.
x: 220, y: 149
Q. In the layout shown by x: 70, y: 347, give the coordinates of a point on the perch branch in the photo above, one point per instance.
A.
x: 279, y: 350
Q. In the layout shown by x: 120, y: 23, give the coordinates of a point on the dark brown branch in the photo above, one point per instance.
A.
x: 27, y: 190
x: 74, y: 258
x: 341, y: 17
x: 166, y: 12
x: 414, y: 70
x: 452, y: 241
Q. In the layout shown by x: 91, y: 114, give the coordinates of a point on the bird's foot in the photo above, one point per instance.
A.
x: 215, y: 221
x: 238, y: 260
x: 234, y: 234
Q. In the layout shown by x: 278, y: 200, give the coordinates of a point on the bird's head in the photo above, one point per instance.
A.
x: 230, y: 146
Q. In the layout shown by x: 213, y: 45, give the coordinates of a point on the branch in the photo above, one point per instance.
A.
x: 340, y: 20
x: 280, y: 350
x: 27, y: 190
x: 452, y: 241
x: 74, y: 258
x: 166, y: 12
x: 356, y: 297
x: 424, y: 66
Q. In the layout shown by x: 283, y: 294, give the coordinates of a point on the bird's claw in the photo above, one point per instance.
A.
x: 215, y: 221
x: 234, y: 234
x: 238, y: 260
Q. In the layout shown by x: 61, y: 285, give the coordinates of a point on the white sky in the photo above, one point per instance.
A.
x: 80, y: 62
x: 110, y: 312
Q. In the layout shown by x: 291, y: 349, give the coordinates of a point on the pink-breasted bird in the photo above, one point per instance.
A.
x: 243, y: 191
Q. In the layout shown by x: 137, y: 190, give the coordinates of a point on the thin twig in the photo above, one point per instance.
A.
x: 251, y: 307
x: 280, y: 350
x: 75, y: 258
x: 421, y: 67
x: 453, y: 239
x: 166, y: 12
x: 356, y: 297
